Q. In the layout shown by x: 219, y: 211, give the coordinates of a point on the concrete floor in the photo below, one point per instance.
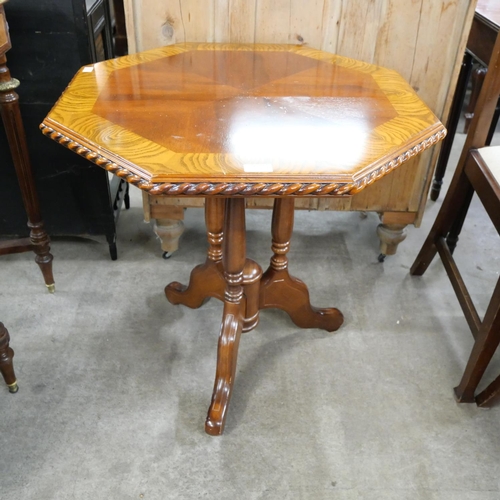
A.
x: 115, y: 382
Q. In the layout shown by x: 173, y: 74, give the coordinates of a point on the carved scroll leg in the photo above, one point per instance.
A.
x: 207, y: 279
x: 279, y: 289
x: 6, y: 355
x: 233, y: 315
x: 390, y: 235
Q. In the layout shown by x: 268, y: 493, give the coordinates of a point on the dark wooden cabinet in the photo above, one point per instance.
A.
x: 51, y: 39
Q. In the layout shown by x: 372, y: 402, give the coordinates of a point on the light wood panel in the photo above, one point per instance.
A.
x: 424, y: 40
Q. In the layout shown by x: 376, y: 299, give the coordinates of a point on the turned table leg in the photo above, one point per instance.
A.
x: 11, y: 117
x: 6, y: 355
x: 233, y: 256
x: 169, y: 231
x: 390, y: 235
x: 279, y: 289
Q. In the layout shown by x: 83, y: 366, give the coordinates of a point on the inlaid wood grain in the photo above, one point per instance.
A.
x: 424, y: 40
x: 251, y: 119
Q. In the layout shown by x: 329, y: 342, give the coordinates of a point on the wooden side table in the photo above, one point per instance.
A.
x: 229, y: 123
x: 38, y: 242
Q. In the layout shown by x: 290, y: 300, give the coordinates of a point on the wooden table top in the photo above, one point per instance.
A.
x: 490, y: 11
x: 242, y: 119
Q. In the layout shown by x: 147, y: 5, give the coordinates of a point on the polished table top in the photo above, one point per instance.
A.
x: 489, y: 10
x: 243, y: 119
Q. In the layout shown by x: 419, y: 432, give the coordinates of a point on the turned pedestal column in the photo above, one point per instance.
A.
x: 231, y: 277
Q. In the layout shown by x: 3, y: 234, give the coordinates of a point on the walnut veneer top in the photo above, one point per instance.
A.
x: 190, y: 118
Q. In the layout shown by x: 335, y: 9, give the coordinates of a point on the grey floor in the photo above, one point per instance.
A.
x: 115, y: 382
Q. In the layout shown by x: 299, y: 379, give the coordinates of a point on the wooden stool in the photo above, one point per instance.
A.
x: 478, y: 170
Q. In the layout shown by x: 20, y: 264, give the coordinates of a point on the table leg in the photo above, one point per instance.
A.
x: 169, y: 231
x: 279, y: 289
x: 478, y: 76
x: 390, y: 236
x: 6, y: 355
x: 451, y: 125
x: 14, y: 128
x: 206, y: 280
x: 233, y: 256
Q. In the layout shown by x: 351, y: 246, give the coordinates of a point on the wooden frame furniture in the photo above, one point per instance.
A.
x: 478, y: 171
x: 423, y: 40
x: 51, y: 40
x: 483, y: 34
x: 38, y: 242
x: 229, y: 122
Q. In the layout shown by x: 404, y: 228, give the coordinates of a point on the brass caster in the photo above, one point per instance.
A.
x: 381, y: 257
x: 51, y: 288
x: 13, y: 388
x: 167, y: 255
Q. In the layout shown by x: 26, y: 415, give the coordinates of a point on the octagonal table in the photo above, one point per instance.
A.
x: 227, y: 122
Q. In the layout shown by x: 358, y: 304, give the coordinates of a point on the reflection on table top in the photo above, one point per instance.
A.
x: 244, y: 113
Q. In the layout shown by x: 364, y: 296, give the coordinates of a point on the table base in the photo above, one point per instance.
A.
x: 240, y: 283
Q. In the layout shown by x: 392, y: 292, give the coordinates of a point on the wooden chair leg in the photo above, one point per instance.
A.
x: 490, y: 396
x: 485, y: 345
x: 459, y: 192
x: 458, y: 223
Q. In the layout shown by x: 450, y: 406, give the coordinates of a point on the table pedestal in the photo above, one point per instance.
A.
x: 239, y: 282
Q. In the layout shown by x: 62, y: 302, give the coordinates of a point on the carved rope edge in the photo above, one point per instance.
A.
x: 242, y: 188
